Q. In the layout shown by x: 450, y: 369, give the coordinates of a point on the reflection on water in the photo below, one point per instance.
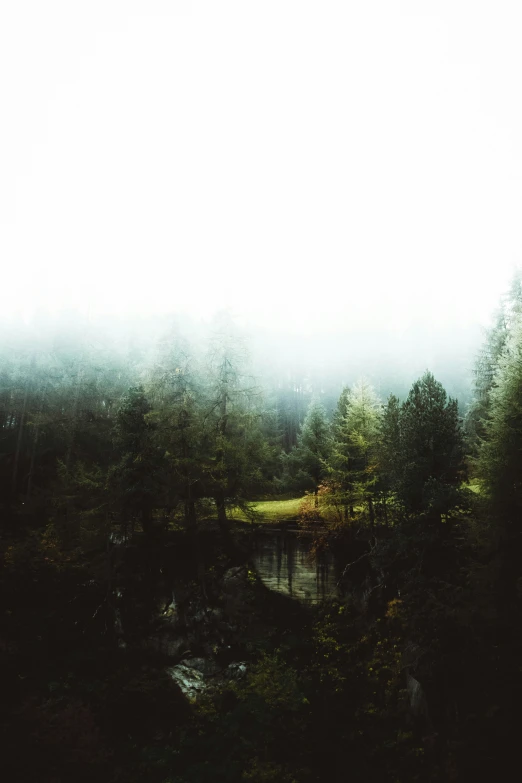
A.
x: 283, y: 562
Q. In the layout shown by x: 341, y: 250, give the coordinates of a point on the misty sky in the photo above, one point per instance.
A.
x: 314, y: 165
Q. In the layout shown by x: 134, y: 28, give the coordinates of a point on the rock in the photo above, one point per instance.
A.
x: 236, y: 671
x: 196, y: 675
x: 203, y: 665
x: 191, y: 681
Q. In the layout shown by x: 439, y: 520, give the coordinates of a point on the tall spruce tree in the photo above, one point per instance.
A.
x: 178, y: 411
x: 309, y: 458
x: 236, y: 447
x: 506, y: 320
x: 430, y: 455
x: 389, y: 451
x: 499, y: 466
x: 353, y: 460
x: 136, y: 476
x: 341, y: 457
x: 500, y: 460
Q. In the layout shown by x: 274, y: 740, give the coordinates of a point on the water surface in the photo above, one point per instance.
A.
x: 284, y: 564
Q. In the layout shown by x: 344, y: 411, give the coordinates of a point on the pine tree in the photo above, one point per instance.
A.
x: 340, y: 459
x: 500, y: 459
x: 178, y: 412
x: 431, y: 448
x: 485, y: 369
x: 389, y: 450
x: 359, y: 432
x: 506, y: 321
x: 499, y: 466
x: 341, y: 411
x: 309, y: 458
x: 236, y: 447
x: 136, y: 476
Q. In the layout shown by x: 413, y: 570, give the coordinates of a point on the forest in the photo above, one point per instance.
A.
x: 138, y: 640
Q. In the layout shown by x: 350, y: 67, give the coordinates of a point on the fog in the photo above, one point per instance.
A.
x: 345, y: 177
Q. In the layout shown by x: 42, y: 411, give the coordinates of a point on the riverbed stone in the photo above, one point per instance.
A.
x: 236, y: 671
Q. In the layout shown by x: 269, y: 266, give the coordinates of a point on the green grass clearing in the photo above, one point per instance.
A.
x: 474, y: 486
x: 272, y: 510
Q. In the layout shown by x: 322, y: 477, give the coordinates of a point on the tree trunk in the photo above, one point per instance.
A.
x: 372, y: 514
x: 224, y: 525
x: 221, y: 510
x: 190, y: 513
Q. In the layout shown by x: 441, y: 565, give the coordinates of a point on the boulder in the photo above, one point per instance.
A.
x: 191, y: 681
x: 236, y: 671
x: 205, y: 666
x: 196, y: 675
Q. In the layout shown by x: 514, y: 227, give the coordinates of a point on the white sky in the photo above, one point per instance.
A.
x: 313, y: 164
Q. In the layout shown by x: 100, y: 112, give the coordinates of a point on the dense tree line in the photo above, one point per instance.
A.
x: 122, y: 470
x: 183, y: 430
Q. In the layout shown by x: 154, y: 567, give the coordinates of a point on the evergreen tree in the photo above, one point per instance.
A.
x: 236, y: 448
x: 136, y: 476
x: 485, y: 369
x: 430, y: 459
x: 308, y: 461
x: 506, y: 321
x: 389, y: 451
x: 340, y: 459
x: 178, y: 413
x: 354, y: 453
x: 499, y: 461
x: 499, y: 468
x: 340, y: 412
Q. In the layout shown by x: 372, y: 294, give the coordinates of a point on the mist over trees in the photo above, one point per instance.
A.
x: 135, y: 469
